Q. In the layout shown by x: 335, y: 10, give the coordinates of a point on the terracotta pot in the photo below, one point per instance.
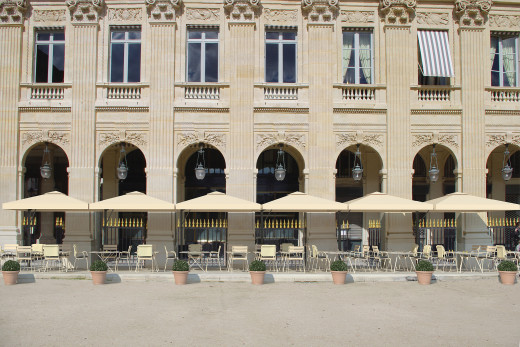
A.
x: 180, y: 277
x: 98, y: 277
x: 10, y: 277
x: 424, y: 277
x: 257, y: 277
x: 507, y: 277
x: 339, y: 277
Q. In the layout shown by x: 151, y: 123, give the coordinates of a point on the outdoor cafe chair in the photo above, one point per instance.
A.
x: 215, y: 255
x: 295, y: 254
x: 9, y: 251
x: 486, y: 258
x: 503, y: 254
x: 24, y: 256
x: 268, y: 254
x: 144, y: 253
x: 320, y: 257
x: 51, y: 255
x: 37, y: 251
x: 83, y: 255
x: 195, y: 255
x: 238, y: 254
x: 169, y: 256
x: 445, y: 258
x: 381, y: 259
x: 124, y: 256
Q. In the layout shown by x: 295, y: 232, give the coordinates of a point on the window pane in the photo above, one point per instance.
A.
x: 134, y: 35
x: 211, y: 62
x: 58, y: 63
x: 287, y: 35
x: 118, y: 35
x: 42, y: 63
x: 134, y: 62
x: 271, y: 63
x: 194, y: 62
x: 271, y: 35
x: 59, y: 37
x: 117, y: 62
x: 350, y: 76
x: 289, y: 63
x: 43, y: 36
x: 495, y: 78
x: 212, y: 35
x: 194, y: 34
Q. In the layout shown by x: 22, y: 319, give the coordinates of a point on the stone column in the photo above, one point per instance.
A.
x: 397, y: 16
x: 241, y: 21
x: 474, y: 60
x: 321, y: 18
x: 11, y: 30
x: 82, y: 176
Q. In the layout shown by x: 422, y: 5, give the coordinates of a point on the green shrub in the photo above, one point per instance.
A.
x: 257, y: 265
x: 424, y: 265
x: 507, y: 265
x: 180, y: 265
x: 98, y: 265
x: 338, y: 265
x: 11, y: 265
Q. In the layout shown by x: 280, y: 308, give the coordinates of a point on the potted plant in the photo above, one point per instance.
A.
x: 257, y: 271
x: 180, y: 271
x: 507, y: 271
x: 98, y: 270
x: 338, y: 269
x: 10, y: 271
x: 424, y: 271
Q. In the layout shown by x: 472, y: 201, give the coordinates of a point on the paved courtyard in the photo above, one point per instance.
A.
x: 75, y: 313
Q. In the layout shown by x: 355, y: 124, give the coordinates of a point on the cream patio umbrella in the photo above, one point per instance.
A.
x: 462, y: 202
x: 133, y: 202
x: 381, y: 202
x: 51, y: 201
x: 218, y: 202
x: 302, y: 202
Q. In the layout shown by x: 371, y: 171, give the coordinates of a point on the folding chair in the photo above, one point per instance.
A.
x: 195, y: 255
x: 238, y: 253
x: 144, y: 253
x: 268, y: 254
x: 296, y: 255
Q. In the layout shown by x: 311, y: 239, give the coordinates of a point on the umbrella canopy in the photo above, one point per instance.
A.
x: 51, y: 201
x: 381, y: 202
x: 218, y: 202
x: 462, y: 202
x: 301, y: 202
x: 134, y: 201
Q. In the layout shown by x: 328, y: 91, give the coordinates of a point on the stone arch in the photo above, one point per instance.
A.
x: 290, y: 149
x: 137, y: 144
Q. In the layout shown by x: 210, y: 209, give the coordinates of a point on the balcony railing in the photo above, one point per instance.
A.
x: 280, y: 93
x: 504, y: 94
x: 434, y: 93
x: 203, y: 92
x: 358, y: 93
x: 46, y: 91
x: 123, y: 91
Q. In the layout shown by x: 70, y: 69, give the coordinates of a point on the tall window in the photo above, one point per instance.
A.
x: 49, y: 64
x: 280, y: 56
x: 435, y: 64
x: 504, y: 60
x: 202, y: 56
x: 125, y: 56
x: 357, y: 57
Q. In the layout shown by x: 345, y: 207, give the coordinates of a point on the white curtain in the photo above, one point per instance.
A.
x: 348, y: 42
x: 365, y: 56
x: 508, y: 54
x: 493, y: 50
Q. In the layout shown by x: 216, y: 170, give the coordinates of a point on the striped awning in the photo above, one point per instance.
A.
x: 435, y: 53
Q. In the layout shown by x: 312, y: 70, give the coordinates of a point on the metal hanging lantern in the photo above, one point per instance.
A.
x: 200, y: 166
x: 507, y: 170
x: 122, y: 170
x: 357, y: 171
x: 45, y: 169
x: 280, y: 171
x: 433, y: 173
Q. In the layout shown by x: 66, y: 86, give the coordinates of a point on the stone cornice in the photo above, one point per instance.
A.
x: 12, y: 12
x: 123, y: 108
x: 435, y: 112
x: 43, y: 109
x: 503, y: 112
x: 397, y: 12
x: 472, y: 13
x: 358, y: 110
x: 201, y: 109
x: 281, y: 109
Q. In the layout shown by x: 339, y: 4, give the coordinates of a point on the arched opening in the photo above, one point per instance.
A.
x: 48, y: 227
x: 123, y: 229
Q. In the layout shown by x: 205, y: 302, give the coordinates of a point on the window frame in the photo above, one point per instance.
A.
x: 501, y: 72
x: 203, y: 42
x: 280, y: 43
x: 50, y: 43
x: 356, y: 48
x: 126, y: 42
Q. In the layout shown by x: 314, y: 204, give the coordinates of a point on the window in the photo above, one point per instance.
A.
x: 357, y: 57
x: 280, y: 56
x: 504, y: 60
x: 125, y: 56
x: 49, y: 64
x: 202, y: 65
x: 435, y: 65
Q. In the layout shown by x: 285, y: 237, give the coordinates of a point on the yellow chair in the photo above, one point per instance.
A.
x: 238, y: 254
x: 268, y: 254
x: 83, y: 255
x: 144, y: 253
x: 51, y: 254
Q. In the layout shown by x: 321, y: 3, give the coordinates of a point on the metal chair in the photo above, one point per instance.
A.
x: 195, y: 255
x: 83, y: 255
x: 169, y: 256
x: 295, y: 254
x: 124, y: 255
x: 144, y: 253
x: 24, y: 255
x: 238, y: 253
x: 445, y: 258
x: 268, y: 254
x: 215, y: 255
x: 51, y: 254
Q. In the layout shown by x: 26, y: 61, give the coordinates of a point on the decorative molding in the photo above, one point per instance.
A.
x: 281, y: 109
x: 432, y: 18
x: 12, y: 11
x: 242, y: 10
x: 293, y: 139
x: 277, y: 16
x: 44, y: 109
x: 49, y: 15
x: 358, y: 110
x: 472, y: 12
x: 133, y: 137
x: 436, y: 112
x: 320, y: 11
x: 203, y: 14
x: 161, y: 11
x: 201, y: 109
x: 122, y: 108
x: 445, y: 139
x: 358, y: 17
x: 448, y: 140
x: 125, y: 14
x: 503, y: 21
x: 61, y: 138
x: 398, y: 12
x: 85, y: 11
x: 495, y: 140
x: 215, y: 139
x: 369, y: 139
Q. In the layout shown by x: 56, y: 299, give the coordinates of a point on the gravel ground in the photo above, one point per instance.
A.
x: 76, y: 313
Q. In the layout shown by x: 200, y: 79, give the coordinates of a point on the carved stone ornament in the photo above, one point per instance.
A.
x: 280, y: 16
x: 320, y: 11
x: 242, y: 10
x: 432, y: 18
x: 357, y: 16
x: 124, y: 14
x: 217, y: 140
x: 448, y: 140
x: 133, y: 137
x: 472, y: 12
x: 12, y: 11
x: 398, y: 11
x: 496, y: 140
x: 346, y: 139
x: 501, y: 21
x: 295, y: 140
x: 49, y: 15
x: 162, y: 10
x: 203, y: 14
x: 85, y: 11
x: 59, y: 138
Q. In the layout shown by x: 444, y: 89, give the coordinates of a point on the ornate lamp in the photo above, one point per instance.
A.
x: 45, y: 169
x: 507, y: 170
x: 433, y: 173
x: 122, y: 170
x: 200, y: 166
x: 357, y: 171
x: 279, y: 171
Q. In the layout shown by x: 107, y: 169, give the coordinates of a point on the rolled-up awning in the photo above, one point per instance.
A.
x: 435, y: 53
